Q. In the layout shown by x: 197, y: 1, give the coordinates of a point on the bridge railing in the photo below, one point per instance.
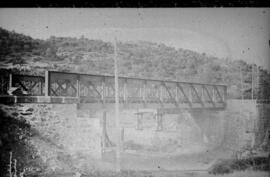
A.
x: 100, y: 88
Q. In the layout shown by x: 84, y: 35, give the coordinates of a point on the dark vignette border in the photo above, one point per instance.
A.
x: 133, y: 3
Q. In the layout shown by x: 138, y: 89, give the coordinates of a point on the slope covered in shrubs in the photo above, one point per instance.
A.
x: 136, y: 59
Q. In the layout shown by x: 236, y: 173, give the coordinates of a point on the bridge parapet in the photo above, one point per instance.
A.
x: 89, y: 88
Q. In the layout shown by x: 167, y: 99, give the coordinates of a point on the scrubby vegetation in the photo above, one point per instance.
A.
x: 16, y: 152
x: 136, y: 59
x: 231, y: 165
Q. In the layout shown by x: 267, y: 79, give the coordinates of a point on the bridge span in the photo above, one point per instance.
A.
x: 63, y: 87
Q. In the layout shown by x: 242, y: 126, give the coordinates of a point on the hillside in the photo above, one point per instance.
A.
x: 136, y: 59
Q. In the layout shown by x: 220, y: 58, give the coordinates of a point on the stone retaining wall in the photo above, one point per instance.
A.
x: 263, y: 125
x: 233, y: 128
x: 240, y: 120
x: 59, y: 125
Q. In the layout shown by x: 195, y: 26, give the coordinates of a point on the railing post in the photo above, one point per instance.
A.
x: 47, y: 83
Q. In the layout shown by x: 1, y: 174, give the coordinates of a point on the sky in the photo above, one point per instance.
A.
x: 235, y: 33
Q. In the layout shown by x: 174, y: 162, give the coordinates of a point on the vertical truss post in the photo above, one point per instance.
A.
x: 106, y: 91
x: 190, y: 93
x: 103, y: 90
x: 125, y: 93
x: 2, y: 84
x: 47, y: 83
x: 202, y: 96
x: 123, y: 134
x: 176, y: 95
x: 88, y: 89
x: 78, y: 87
x: 144, y: 92
x: 213, y: 95
x: 224, y: 94
x: 140, y: 93
x: 10, y: 81
x: 160, y: 93
x: 159, y: 120
x: 40, y: 87
x: 139, y: 121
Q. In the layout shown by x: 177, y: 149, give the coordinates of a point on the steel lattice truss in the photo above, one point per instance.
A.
x: 100, y: 89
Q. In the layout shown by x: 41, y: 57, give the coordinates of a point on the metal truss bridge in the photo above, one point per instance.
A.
x: 61, y: 87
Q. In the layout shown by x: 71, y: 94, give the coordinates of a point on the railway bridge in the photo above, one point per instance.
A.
x: 64, y: 88
x: 140, y: 96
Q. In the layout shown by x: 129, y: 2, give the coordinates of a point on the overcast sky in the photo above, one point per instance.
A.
x: 237, y: 33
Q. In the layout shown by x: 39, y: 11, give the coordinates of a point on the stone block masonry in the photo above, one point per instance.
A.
x: 59, y: 125
x: 263, y: 126
x: 240, y: 122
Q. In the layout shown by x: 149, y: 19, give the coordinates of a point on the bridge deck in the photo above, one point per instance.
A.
x: 60, y: 87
